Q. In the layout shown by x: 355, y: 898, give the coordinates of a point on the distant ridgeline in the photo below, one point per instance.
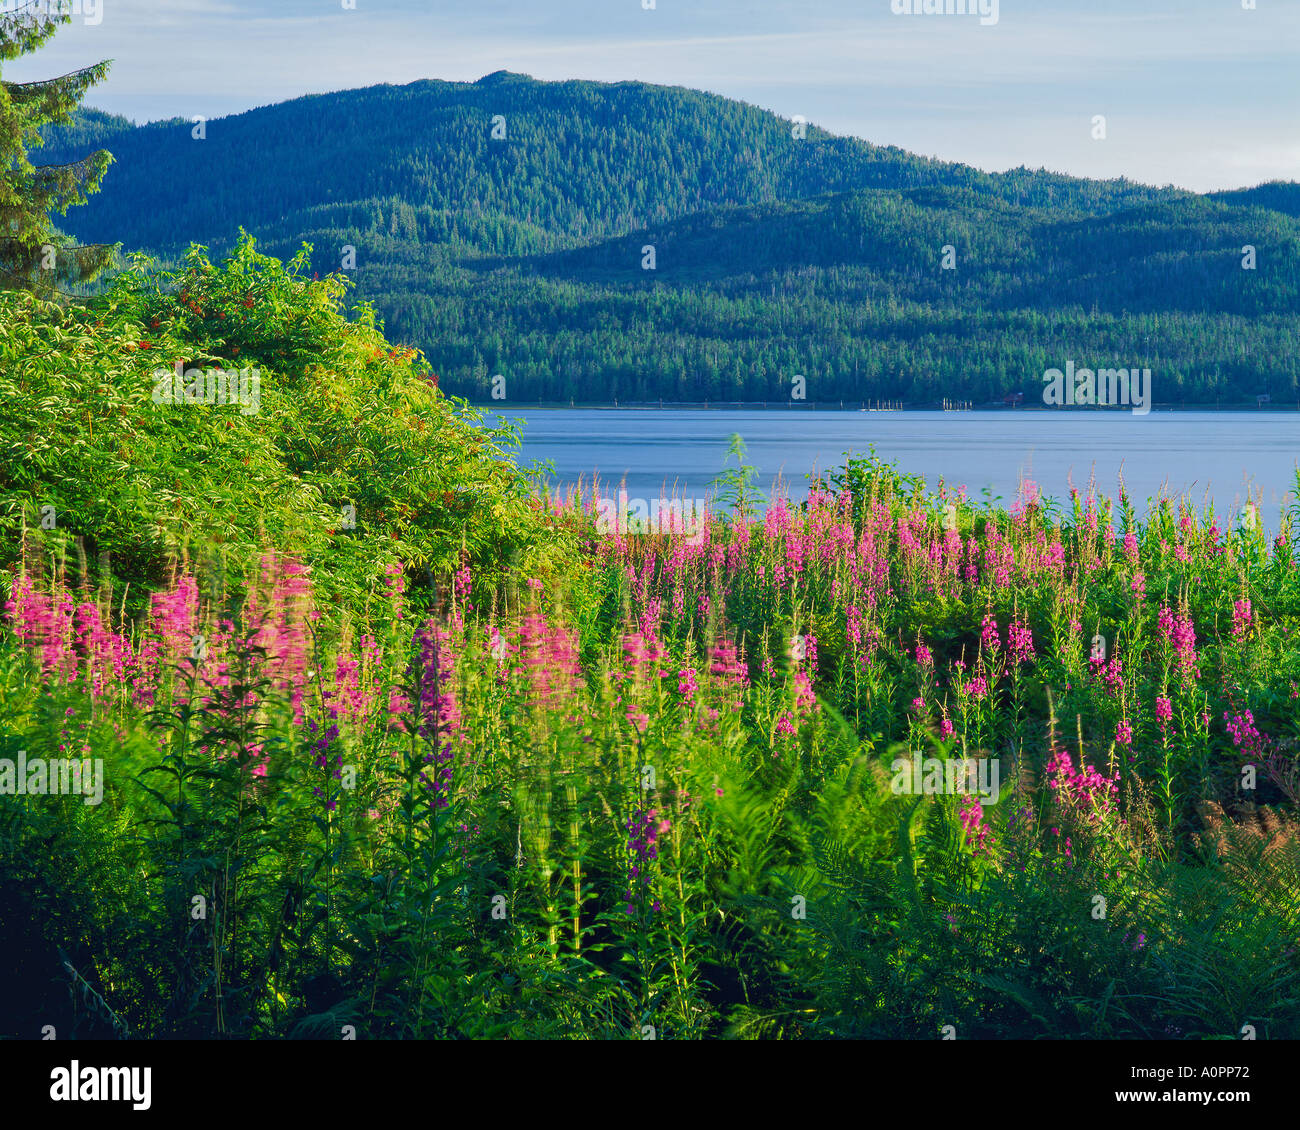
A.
x: 596, y: 241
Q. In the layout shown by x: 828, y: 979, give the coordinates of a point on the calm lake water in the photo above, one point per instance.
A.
x: 1224, y: 456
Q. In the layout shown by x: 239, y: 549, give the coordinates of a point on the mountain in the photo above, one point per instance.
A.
x: 577, y: 160
x: 1277, y: 196
x: 775, y: 255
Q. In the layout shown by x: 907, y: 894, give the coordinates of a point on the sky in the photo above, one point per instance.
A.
x: 1202, y: 94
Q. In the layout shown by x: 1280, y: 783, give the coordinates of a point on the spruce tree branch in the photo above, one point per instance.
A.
x: 38, y: 83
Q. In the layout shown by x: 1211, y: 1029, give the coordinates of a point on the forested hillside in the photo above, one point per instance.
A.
x: 775, y: 255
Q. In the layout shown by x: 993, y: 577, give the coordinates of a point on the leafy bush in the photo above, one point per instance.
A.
x: 343, y: 420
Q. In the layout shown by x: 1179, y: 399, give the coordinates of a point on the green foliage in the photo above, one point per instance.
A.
x: 735, y: 485
x: 343, y: 420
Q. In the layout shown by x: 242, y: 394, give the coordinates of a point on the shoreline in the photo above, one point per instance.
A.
x: 829, y: 406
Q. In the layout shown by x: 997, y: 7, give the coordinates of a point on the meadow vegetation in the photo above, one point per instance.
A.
x: 394, y: 740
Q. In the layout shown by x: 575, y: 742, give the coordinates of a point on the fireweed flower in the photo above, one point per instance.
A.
x: 172, y: 622
x: 989, y: 639
x: 438, y: 717
x: 1242, y: 618
x: 174, y: 615
x: 805, y: 700
x: 635, y: 651
x: 31, y: 615
x: 1164, y: 711
x: 640, y: 653
x: 687, y: 684
x: 1020, y: 642
x: 972, y: 819
x: 1083, y: 791
x: 810, y: 653
x: 644, y: 829
x: 280, y: 609
x: 726, y: 663
x: 1179, y: 632
x: 550, y: 660
x: 324, y: 757
x: 1245, y: 736
x: 1111, y: 671
x: 462, y: 581
x: 853, y: 624
x: 102, y: 652
x: 68, y: 639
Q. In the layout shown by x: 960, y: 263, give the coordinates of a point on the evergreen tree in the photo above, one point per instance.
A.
x: 34, y: 254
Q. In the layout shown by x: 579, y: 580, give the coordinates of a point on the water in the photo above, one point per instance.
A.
x: 1224, y: 456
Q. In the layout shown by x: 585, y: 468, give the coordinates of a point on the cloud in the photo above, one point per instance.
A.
x: 1169, y: 77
